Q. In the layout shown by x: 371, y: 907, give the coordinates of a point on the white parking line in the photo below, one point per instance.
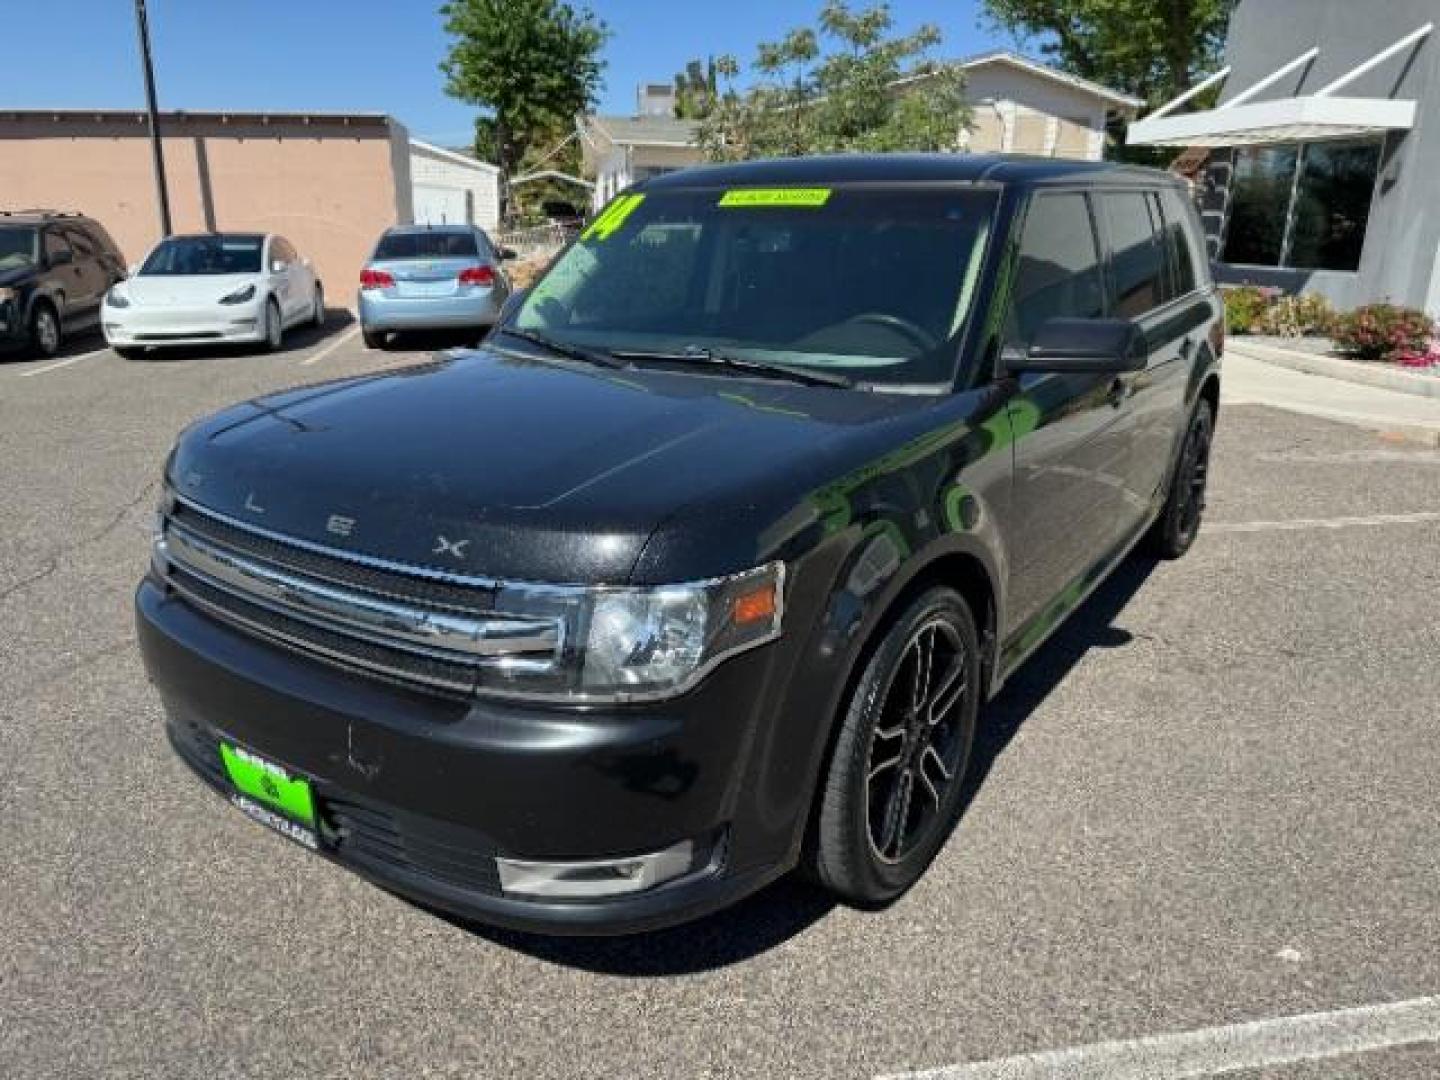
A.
x: 1217, y: 1050
x: 1297, y: 524
x: 60, y: 364
x: 323, y: 353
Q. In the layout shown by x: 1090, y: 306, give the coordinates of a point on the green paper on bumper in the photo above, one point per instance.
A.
x: 270, y: 784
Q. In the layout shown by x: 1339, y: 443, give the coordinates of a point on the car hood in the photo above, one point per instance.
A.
x: 17, y: 275
x: 501, y: 465
x: 184, y: 290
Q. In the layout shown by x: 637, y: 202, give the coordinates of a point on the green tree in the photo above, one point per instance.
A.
x: 850, y: 84
x: 534, y: 64
x: 695, y: 90
x: 1152, y: 49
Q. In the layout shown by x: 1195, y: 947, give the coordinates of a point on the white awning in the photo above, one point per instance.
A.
x: 1300, y: 119
x: 1242, y: 121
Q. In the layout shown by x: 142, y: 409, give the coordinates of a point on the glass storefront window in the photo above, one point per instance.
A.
x: 1315, y: 221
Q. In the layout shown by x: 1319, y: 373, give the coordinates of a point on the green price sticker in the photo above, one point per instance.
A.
x: 612, y: 218
x: 747, y: 197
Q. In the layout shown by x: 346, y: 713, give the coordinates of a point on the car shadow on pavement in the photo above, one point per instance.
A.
x: 780, y: 912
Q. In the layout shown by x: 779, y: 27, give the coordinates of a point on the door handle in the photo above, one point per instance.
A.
x: 1118, y: 393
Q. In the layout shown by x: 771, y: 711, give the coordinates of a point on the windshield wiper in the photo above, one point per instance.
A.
x: 740, y: 365
x: 570, y: 352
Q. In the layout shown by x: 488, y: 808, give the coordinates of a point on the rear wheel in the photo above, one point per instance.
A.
x: 374, y: 339
x: 317, y: 316
x: 45, y: 334
x: 1179, y: 522
x: 128, y: 352
x: 891, y: 792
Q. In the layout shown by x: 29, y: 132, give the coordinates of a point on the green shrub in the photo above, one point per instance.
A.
x: 1243, y: 306
x: 1296, y: 316
x: 1382, y: 332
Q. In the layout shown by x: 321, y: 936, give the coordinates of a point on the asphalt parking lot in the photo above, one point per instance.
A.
x: 1211, y: 800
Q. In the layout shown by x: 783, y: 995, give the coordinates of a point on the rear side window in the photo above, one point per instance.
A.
x: 427, y: 245
x: 1137, y: 259
x: 56, y: 247
x: 1179, y: 221
x: 1059, y: 272
x: 81, y: 242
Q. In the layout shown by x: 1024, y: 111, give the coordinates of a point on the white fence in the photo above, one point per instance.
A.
x: 536, y: 240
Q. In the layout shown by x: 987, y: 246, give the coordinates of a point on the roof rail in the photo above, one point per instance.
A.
x: 41, y: 213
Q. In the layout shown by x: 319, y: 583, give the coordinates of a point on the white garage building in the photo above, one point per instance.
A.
x: 447, y: 187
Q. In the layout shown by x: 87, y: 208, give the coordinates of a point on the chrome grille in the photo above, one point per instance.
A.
x: 394, y: 624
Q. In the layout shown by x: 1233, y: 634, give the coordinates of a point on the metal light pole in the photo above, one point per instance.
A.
x: 162, y: 191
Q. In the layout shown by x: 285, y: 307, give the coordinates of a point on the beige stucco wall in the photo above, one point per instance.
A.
x: 330, y: 188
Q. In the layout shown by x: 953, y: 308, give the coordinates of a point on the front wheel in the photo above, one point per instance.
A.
x: 891, y: 791
x: 1179, y: 522
x: 45, y: 334
x: 317, y: 316
x: 274, y: 327
x: 374, y: 339
x: 129, y: 352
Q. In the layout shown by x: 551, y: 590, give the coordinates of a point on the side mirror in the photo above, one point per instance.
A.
x: 1074, y: 346
x: 506, y: 254
x: 508, y: 308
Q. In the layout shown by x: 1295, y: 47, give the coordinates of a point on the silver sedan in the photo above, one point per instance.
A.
x: 423, y: 277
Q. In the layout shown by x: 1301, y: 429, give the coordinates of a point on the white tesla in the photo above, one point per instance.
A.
x: 214, y: 289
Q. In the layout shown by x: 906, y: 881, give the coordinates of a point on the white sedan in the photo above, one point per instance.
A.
x: 214, y: 289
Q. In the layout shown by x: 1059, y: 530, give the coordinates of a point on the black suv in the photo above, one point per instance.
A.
x: 702, y: 567
x: 55, y: 270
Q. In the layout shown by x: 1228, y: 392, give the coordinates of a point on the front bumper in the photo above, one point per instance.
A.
x: 140, y: 327
x: 421, y: 793
x: 477, y: 308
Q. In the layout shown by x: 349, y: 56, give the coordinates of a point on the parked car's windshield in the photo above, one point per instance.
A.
x: 18, y: 247
x: 426, y: 245
x: 873, y: 283
x: 184, y: 255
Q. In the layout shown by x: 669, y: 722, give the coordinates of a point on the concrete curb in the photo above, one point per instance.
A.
x: 1351, y: 371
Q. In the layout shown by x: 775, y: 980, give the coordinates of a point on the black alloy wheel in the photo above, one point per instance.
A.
x: 892, y: 791
x: 1179, y: 522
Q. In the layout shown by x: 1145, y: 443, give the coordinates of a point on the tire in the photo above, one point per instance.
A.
x: 274, y: 327
x: 46, y: 335
x: 128, y: 352
x: 317, y: 317
x: 374, y: 339
x: 855, y: 851
x: 1179, y: 521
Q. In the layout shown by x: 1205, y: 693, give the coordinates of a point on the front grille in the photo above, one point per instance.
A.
x: 395, y: 624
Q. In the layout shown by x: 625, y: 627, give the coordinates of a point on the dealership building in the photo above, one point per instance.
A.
x: 1317, y: 164
x: 330, y: 183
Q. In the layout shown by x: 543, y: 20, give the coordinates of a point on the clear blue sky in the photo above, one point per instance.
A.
x: 368, y: 55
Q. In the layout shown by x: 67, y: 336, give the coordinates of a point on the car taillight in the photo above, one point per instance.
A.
x: 477, y: 275
x: 376, y: 279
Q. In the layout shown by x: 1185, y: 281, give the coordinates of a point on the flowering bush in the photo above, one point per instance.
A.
x: 1383, y: 332
x: 1430, y: 357
x: 1243, y: 307
x: 1296, y: 316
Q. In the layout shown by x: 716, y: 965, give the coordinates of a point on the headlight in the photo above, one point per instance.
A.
x: 114, y: 298
x: 239, y: 296
x: 639, y: 644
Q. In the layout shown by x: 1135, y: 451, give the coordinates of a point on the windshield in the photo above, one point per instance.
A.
x: 426, y: 245
x: 873, y: 283
x: 19, y: 247
x: 185, y: 255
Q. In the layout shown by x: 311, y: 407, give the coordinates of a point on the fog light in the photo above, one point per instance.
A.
x: 600, y: 877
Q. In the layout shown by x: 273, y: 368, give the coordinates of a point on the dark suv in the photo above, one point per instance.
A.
x: 55, y: 270
x: 702, y: 567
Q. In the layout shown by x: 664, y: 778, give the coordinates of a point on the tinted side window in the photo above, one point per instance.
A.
x: 1059, y: 272
x: 1136, y: 257
x: 1182, y: 239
